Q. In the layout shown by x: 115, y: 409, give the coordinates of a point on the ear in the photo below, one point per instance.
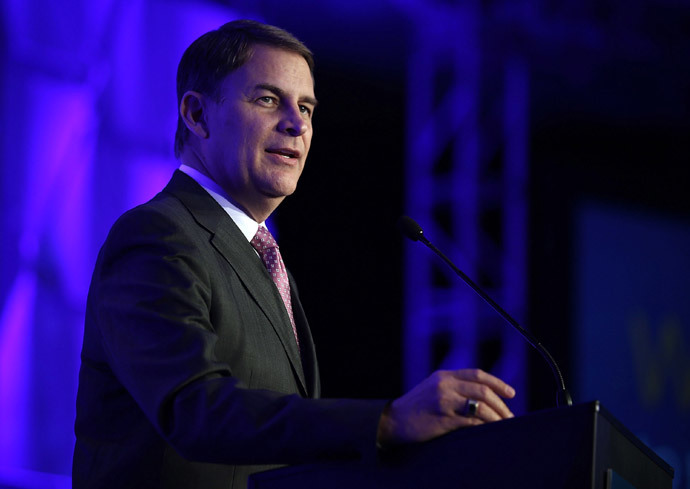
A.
x: 192, y: 108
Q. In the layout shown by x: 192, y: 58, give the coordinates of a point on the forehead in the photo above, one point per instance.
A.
x: 285, y: 69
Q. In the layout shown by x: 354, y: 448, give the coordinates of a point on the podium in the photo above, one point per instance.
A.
x: 578, y: 447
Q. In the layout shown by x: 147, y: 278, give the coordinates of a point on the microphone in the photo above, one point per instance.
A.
x: 411, y: 230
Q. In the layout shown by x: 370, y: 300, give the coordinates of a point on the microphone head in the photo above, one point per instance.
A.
x: 409, y: 228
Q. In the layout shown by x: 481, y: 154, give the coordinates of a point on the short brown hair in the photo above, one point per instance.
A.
x: 214, y: 55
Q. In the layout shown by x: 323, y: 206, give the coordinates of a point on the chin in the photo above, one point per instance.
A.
x: 282, y: 190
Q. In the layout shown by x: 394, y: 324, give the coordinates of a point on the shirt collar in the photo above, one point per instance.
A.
x: 247, y: 225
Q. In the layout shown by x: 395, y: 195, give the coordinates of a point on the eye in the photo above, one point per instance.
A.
x: 267, y: 100
x: 305, y: 110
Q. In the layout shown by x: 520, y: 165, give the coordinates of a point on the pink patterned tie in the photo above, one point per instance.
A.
x: 264, y: 243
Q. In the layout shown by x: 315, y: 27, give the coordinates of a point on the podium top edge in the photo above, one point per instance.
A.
x: 625, y: 431
x: 596, y: 408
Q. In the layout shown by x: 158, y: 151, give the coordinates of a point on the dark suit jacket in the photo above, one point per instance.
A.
x: 189, y: 365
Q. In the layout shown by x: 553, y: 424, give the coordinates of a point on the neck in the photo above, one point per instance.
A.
x: 259, y: 209
x: 259, y: 212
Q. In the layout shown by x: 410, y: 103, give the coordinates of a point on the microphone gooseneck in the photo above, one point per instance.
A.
x: 410, y: 229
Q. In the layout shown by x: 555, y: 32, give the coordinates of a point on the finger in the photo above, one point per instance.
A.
x: 489, y: 407
x: 467, y: 422
x: 482, y: 387
x: 470, y: 408
x: 463, y: 418
x: 483, y: 411
x: 481, y: 377
x: 486, y: 396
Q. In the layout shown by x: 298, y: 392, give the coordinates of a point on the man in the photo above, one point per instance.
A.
x: 198, y: 364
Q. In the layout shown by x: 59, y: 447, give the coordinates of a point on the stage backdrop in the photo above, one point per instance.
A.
x: 632, y: 272
x: 88, y: 111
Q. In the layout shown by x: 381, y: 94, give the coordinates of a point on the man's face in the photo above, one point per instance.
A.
x: 259, y: 131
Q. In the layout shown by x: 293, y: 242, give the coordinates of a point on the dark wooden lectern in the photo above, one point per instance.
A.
x: 581, y: 447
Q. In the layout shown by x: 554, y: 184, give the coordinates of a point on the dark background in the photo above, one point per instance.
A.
x: 339, y: 236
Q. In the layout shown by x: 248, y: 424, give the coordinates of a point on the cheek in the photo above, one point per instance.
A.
x: 255, y: 136
x: 307, y: 139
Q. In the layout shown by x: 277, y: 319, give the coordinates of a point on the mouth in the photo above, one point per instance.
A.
x: 286, y: 153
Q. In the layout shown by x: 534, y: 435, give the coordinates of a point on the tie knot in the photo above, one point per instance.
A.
x: 263, y: 240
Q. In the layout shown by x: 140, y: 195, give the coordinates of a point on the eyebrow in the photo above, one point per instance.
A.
x: 281, y: 93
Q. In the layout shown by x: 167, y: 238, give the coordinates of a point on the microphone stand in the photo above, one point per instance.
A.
x: 413, y: 231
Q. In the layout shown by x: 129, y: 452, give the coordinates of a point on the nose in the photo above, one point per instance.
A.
x: 293, y: 122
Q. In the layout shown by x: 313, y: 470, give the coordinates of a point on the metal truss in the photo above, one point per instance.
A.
x: 466, y: 178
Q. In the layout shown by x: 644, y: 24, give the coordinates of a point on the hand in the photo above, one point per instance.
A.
x: 435, y: 406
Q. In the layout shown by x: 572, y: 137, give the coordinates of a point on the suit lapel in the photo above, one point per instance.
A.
x: 234, y: 247
x: 309, y: 361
